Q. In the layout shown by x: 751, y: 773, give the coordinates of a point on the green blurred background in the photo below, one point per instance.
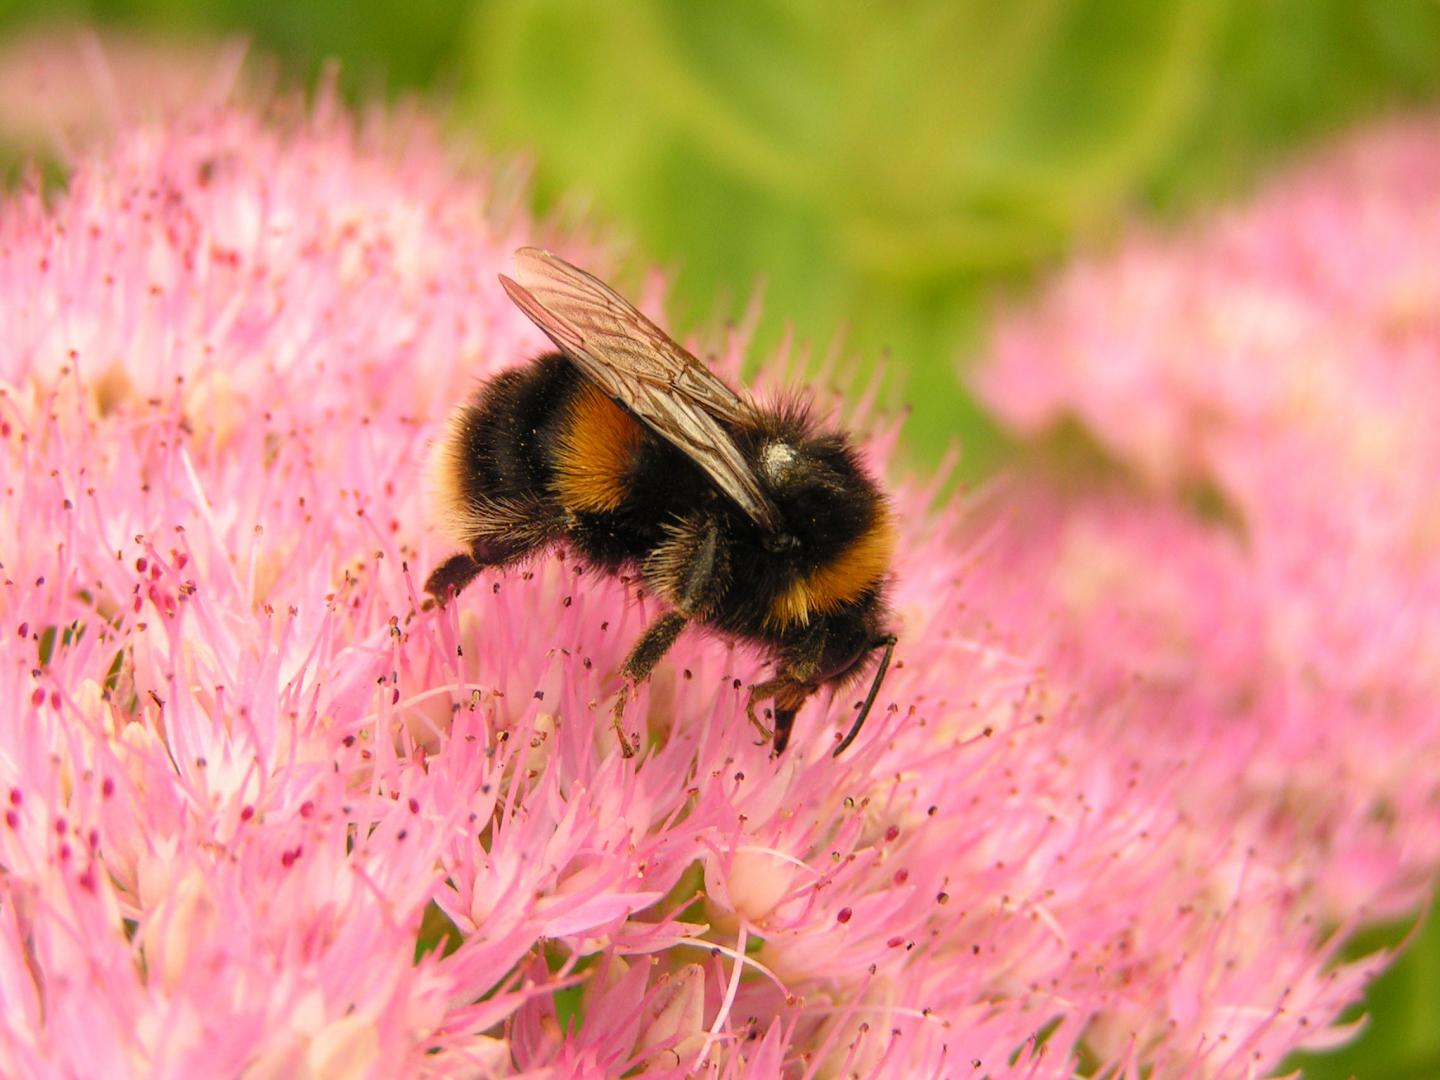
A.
x: 891, y: 170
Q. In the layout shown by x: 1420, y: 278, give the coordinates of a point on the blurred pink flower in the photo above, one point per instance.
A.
x: 62, y: 85
x: 1281, y: 351
x: 1278, y: 362
x: 265, y: 817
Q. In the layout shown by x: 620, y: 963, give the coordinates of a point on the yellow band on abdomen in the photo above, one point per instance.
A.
x: 597, y: 451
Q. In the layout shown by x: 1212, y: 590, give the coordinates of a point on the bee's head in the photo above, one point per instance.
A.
x: 848, y: 643
x: 886, y: 643
x: 852, y: 638
x: 824, y: 498
x: 833, y: 548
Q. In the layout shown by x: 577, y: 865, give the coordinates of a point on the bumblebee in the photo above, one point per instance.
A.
x: 749, y: 521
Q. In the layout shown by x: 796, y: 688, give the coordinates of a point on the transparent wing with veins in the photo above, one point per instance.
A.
x: 638, y: 365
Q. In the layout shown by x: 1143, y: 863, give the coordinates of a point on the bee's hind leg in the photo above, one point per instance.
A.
x: 452, y: 576
x: 504, y: 530
x: 648, y: 651
x: 454, y: 573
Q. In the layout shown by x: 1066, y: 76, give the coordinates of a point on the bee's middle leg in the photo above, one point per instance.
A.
x: 689, y: 571
x: 654, y: 643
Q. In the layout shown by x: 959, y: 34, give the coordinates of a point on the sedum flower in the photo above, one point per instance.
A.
x: 1277, y: 362
x: 264, y: 815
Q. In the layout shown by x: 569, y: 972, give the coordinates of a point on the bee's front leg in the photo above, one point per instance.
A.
x: 789, y: 695
x: 792, y: 684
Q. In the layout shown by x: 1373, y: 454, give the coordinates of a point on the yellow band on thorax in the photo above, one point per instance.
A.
x: 843, y: 580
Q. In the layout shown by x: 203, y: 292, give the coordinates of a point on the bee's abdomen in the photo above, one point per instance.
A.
x: 595, y: 455
x: 618, y: 483
x: 543, y: 442
x: 496, y: 446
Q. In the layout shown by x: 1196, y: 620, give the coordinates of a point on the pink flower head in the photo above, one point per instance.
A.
x: 1280, y: 351
x: 1278, y: 358
x: 61, y: 86
x: 265, y: 815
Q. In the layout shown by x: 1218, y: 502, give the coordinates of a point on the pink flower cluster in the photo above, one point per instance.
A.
x: 1130, y: 781
x: 1267, y: 560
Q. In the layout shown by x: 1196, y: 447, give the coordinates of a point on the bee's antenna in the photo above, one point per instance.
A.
x: 888, y: 641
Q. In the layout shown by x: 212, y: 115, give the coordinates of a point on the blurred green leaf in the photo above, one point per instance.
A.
x: 1292, y: 70
x: 1402, y: 1038
x: 382, y: 47
x: 887, y: 169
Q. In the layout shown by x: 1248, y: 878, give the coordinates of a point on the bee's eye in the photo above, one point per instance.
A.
x: 817, y: 500
x: 782, y: 543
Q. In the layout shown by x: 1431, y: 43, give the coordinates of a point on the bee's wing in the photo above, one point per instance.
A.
x: 638, y: 365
